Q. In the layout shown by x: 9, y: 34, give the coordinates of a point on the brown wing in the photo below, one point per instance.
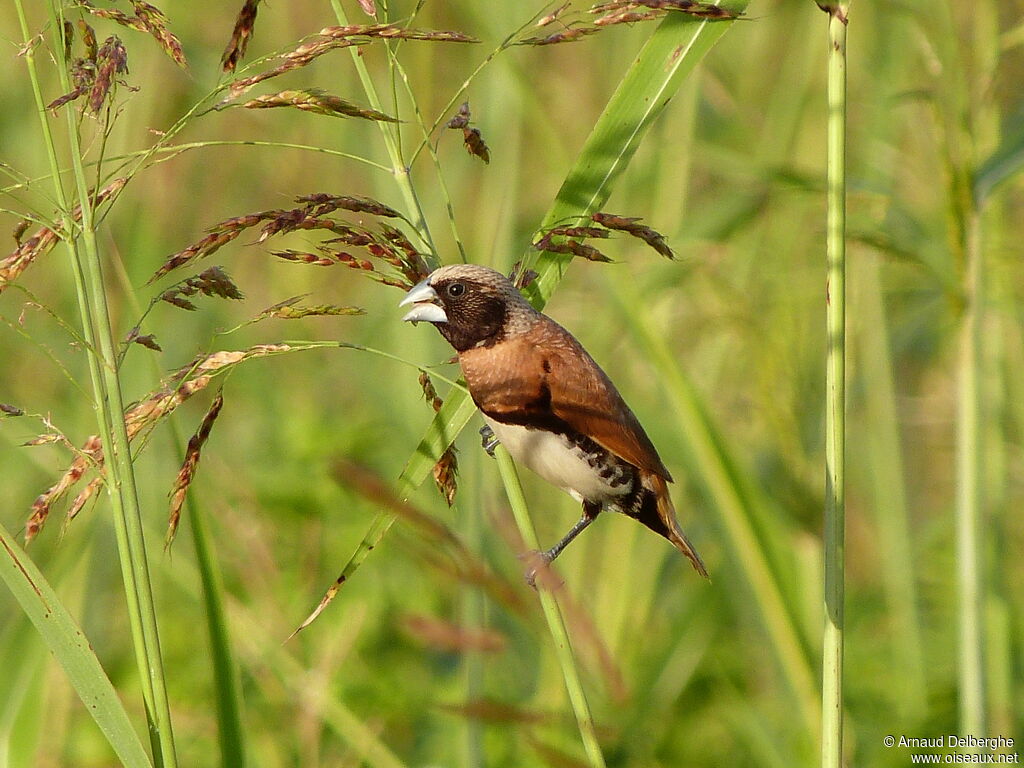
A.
x: 544, y: 378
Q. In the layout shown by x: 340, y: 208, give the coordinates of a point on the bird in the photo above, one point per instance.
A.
x: 548, y: 402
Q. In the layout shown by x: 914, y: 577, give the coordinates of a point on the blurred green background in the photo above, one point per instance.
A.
x: 678, y: 671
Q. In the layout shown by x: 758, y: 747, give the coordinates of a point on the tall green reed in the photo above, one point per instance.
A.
x: 834, y: 532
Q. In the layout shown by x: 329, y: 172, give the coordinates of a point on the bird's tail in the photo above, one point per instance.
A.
x: 657, y: 513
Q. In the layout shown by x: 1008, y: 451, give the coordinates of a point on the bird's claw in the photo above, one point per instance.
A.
x: 537, y: 563
x: 488, y: 440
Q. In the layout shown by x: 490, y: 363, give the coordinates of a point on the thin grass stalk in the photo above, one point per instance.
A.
x: 389, y: 132
x: 160, y: 738
x: 835, y: 394
x: 121, y: 472
x: 552, y: 613
x: 969, y: 490
x: 474, y: 612
x: 227, y: 685
x: 442, y: 185
x: 121, y: 482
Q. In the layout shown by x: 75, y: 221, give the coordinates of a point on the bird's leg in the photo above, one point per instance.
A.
x: 590, y: 510
x: 488, y: 440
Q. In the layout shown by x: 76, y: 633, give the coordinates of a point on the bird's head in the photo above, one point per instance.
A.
x: 470, y: 305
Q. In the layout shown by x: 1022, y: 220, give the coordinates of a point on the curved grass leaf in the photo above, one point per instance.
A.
x: 70, y: 647
x: 1007, y: 160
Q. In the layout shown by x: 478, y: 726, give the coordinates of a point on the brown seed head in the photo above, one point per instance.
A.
x: 240, y: 36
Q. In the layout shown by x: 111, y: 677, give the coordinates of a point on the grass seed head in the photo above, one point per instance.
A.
x: 211, y: 282
x: 321, y: 204
x: 472, y: 139
x: 319, y: 102
x: 88, y: 40
x: 520, y: 276
x: 111, y: 61
x: 569, y: 35
x: 461, y: 119
x: 573, y: 247
x: 475, y: 144
x: 154, y: 21
x: 46, y: 238
x: 392, y: 31
x: 627, y: 16
x: 689, y: 7
x: 82, y: 499
x: 148, y: 341
x: 632, y: 226
x: 240, y: 36
x: 550, y: 18
x: 189, y: 466
x: 91, y: 453
x: 583, y: 232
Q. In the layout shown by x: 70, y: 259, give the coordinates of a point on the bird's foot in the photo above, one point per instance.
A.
x: 537, y: 564
x: 488, y: 440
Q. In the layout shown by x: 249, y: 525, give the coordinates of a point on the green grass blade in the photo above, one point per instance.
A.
x: 454, y: 415
x: 70, y: 647
x: 227, y: 687
x: 1007, y: 160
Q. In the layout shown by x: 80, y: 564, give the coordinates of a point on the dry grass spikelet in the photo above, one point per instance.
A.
x: 689, y: 7
x: 550, y: 18
x: 472, y: 139
x: 43, y: 241
x: 148, y: 18
x: 189, y: 466
x: 211, y: 282
x: 240, y: 36
x: 573, y: 247
x: 626, y: 16
x: 90, y: 454
x: 568, y: 35
x: 319, y: 102
x: 154, y: 21
x: 112, y: 60
x: 389, y: 244
x: 631, y: 226
x: 393, y: 31
x: 446, y: 470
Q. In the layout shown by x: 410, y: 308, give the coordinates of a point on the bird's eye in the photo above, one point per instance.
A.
x: 456, y: 289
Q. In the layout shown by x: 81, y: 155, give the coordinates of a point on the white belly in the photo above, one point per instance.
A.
x: 558, y: 461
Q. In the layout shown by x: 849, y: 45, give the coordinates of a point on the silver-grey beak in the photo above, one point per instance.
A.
x: 422, y: 296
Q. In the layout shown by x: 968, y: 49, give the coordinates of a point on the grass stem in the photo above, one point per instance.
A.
x: 552, y: 613
x: 835, y: 394
x: 390, y: 134
x: 968, y: 496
